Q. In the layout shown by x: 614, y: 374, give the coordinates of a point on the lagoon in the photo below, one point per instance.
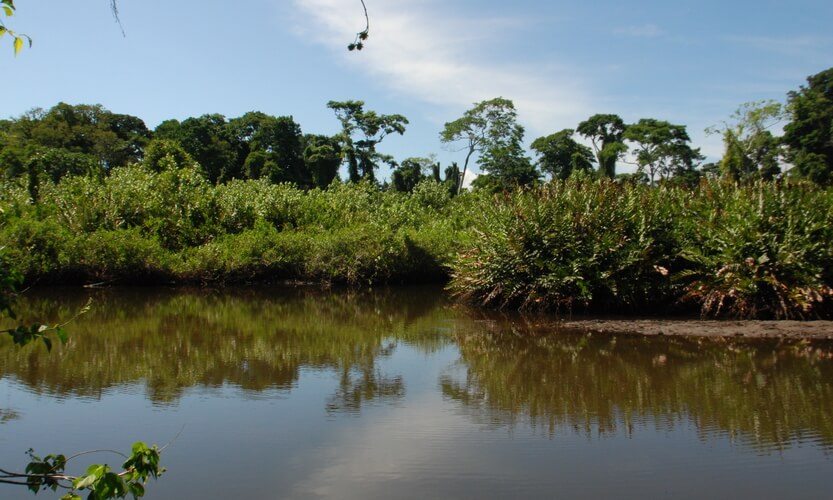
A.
x: 293, y: 392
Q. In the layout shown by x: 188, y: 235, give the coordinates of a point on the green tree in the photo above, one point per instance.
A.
x: 506, y: 166
x: 269, y: 147
x: 488, y: 126
x: 70, y: 140
x: 411, y: 172
x: 322, y: 158
x: 661, y: 148
x: 361, y: 132
x: 605, y: 132
x: 751, y: 150
x: 560, y: 155
x: 208, y: 141
x: 166, y: 154
x: 809, y: 134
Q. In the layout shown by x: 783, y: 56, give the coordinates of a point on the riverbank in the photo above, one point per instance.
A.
x: 786, y: 329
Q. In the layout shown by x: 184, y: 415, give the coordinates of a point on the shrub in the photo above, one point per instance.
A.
x: 759, y: 251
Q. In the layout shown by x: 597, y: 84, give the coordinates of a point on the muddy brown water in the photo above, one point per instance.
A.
x: 291, y: 393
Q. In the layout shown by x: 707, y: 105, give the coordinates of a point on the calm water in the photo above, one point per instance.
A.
x: 270, y: 393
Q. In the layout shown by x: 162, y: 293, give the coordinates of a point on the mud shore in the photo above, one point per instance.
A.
x: 797, y: 330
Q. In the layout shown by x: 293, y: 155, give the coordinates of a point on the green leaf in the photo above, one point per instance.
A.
x: 3, y: 31
x: 9, y: 10
x: 48, y: 343
x: 18, y: 44
x: 61, y: 334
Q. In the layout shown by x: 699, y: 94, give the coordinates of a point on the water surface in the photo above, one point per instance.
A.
x: 296, y: 393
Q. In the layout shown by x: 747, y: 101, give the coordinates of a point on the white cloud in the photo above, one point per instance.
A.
x: 427, y: 52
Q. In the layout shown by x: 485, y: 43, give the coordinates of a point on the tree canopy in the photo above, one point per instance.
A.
x: 361, y: 132
x: 809, y: 134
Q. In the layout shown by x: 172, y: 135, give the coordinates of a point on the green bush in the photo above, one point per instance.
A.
x: 574, y: 243
x: 759, y: 251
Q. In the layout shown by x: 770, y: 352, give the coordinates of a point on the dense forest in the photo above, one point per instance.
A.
x: 93, y: 196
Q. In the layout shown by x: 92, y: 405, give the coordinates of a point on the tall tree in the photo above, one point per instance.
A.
x: 71, y: 140
x: 322, y: 158
x: 208, y: 141
x: 489, y: 129
x: 751, y: 150
x: 809, y: 134
x: 605, y: 133
x: 560, y: 155
x: 661, y: 148
x: 269, y: 147
x: 361, y: 132
x: 411, y: 172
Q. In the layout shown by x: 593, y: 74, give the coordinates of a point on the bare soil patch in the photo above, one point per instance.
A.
x: 707, y: 328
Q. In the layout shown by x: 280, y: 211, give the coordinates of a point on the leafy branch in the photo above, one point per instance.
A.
x: 47, y: 473
x: 361, y: 36
x: 17, y: 38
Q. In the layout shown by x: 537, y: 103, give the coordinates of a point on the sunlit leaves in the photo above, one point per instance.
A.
x: 17, y: 39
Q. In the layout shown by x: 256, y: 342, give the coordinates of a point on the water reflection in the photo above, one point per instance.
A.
x: 254, y: 339
x: 766, y: 395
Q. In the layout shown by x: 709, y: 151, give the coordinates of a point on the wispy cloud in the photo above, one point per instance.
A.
x: 641, y: 31
x: 426, y: 51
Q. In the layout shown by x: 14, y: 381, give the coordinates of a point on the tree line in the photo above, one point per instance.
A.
x: 90, y: 140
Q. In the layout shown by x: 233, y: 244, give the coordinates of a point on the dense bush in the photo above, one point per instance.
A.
x: 759, y: 251
x: 571, y: 244
x: 744, y: 251
x: 762, y: 250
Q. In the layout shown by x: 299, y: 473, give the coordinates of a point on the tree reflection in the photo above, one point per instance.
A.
x: 257, y: 340
x: 766, y: 395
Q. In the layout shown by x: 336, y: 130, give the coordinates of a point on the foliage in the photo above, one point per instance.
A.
x: 361, y: 36
x: 661, y: 148
x: 47, y: 473
x: 605, y: 132
x: 570, y: 244
x: 490, y: 129
x: 361, y: 132
x: 166, y: 154
x: 17, y: 38
x: 751, y: 150
x: 809, y: 134
x: 729, y: 250
x: 411, y: 172
x: 560, y: 155
x: 759, y: 251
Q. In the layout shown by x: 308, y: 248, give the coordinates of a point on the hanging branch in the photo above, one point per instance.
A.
x: 115, y: 9
x: 361, y: 36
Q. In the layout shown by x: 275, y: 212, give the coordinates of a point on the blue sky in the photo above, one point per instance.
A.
x: 690, y: 63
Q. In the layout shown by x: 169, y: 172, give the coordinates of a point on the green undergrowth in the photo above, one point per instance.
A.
x: 760, y: 250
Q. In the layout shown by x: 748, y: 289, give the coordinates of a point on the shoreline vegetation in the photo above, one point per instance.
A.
x: 759, y: 250
x: 88, y: 196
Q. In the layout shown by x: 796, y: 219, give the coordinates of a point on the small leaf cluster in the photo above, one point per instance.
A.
x: 101, y: 482
x: 17, y: 38
x: 361, y: 36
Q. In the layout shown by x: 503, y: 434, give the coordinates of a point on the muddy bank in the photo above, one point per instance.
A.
x: 706, y: 328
